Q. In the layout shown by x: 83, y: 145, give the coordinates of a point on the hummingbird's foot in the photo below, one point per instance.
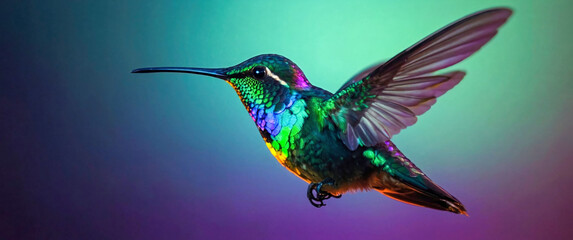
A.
x: 315, y: 194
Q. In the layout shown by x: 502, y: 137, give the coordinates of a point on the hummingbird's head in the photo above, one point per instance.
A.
x: 259, y: 79
x: 269, y: 70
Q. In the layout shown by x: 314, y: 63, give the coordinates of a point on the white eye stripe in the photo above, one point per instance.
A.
x: 275, y: 77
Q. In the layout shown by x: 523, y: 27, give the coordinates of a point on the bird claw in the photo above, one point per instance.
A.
x: 315, y: 194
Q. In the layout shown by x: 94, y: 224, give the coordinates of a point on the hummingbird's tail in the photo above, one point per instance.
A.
x: 430, y: 195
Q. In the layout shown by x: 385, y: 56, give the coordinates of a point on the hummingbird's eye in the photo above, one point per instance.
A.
x: 259, y: 72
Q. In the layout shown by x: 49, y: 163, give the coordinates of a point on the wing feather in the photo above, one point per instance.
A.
x: 384, y: 99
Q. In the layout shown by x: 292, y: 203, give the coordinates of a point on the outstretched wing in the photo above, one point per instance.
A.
x: 388, y: 99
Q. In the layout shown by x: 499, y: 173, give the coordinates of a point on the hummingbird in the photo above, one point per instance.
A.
x: 341, y: 142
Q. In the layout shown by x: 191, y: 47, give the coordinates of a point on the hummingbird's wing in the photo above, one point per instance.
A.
x: 387, y: 98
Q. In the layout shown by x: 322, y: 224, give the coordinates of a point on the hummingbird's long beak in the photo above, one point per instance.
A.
x: 213, y: 72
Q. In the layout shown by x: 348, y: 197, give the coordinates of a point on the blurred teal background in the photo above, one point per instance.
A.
x: 90, y: 151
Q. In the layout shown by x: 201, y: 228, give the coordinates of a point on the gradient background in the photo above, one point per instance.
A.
x: 90, y: 151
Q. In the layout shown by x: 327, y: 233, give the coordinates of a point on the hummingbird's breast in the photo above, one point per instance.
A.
x: 304, y: 141
x: 280, y: 125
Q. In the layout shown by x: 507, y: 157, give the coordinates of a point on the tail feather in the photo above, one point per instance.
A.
x: 432, y: 197
x: 426, y: 200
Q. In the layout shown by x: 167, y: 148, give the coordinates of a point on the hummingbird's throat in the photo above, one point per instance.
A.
x: 278, y: 112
